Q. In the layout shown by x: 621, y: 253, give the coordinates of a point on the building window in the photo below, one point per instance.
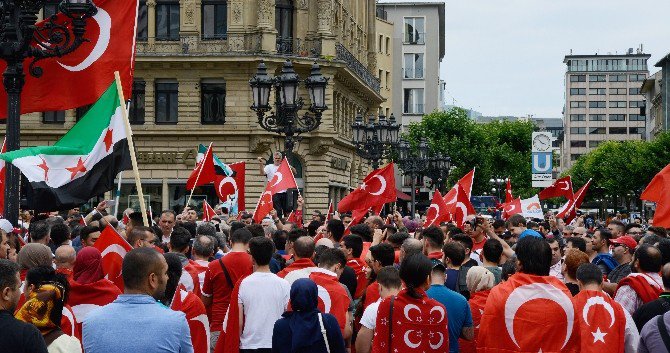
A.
x: 214, y: 19
x: 142, y: 21
x: 618, y: 130
x: 617, y: 117
x: 166, y: 102
x: 578, y: 130
x: 635, y: 104
x: 594, y: 144
x: 618, y: 78
x: 597, y: 78
x: 617, y: 91
x: 388, y: 45
x: 575, y: 156
x: 597, y: 91
x: 284, y: 25
x: 596, y: 104
x: 415, y: 31
x: 388, y: 79
x: 137, y: 102
x: 167, y: 20
x: 578, y: 78
x: 577, y: 117
x: 414, y: 65
x: 636, y: 130
x: 577, y: 91
x: 596, y: 117
x: 50, y: 8
x: 54, y: 117
x: 213, y: 103
x: 577, y: 104
x: 637, y: 77
x: 634, y: 91
x: 81, y: 111
x: 413, y: 101
x: 617, y: 104
x: 381, y: 44
x: 636, y: 117
x: 577, y: 143
x: 597, y: 131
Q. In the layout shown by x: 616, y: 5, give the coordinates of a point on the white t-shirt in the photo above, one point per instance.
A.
x: 369, y: 317
x: 265, y: 298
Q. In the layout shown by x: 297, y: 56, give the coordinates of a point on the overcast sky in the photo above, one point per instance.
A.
x: 505, y: 57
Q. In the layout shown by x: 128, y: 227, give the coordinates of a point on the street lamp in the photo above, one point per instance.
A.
x: 285, y: 120
x: 497, y: 182
x: 438, y: 169
x: 374, y: 139
x: 412, y: 162
x: 21, y: 38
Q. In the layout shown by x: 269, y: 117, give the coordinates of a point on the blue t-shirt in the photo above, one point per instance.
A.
x: 458, y: 312
x: 452, y: 279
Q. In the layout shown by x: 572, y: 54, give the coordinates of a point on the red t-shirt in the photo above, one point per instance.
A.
x: 335, y: 299
x: 298, y: 264
x: 358, y: 266
x: 371, y: 294
x: 238, y: 265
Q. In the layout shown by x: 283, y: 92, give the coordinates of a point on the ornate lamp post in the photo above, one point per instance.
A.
x: 285, y: 120
x: 497, y: 186
x: 374, y: 139
x: 438, y: 169
x: 413, y: 162
x: 21, y: 38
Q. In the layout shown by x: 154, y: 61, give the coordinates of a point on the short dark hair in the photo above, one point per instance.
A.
x: 516, y: 219
x: 649, y: 258
x: 39, y: 230
x: 619, y: 224
x: 605, y: 234
x: 589, y: 273
x: 455, y: 252
x: 138, y: 233
x: 236, y: 225
x: 296, y: 233
x: 384, y: 253
x: 8, y: 271
x: 534, y: 255
x: 241, y: 236
x: 180, y: 239
x: 336, y: 229
x: 331, y: 256
x: 138, y: 264
x: 664, y: 247
x: 465, y: 240
x: 205, y: 229
x: 659, y: 231
x: 434, y: 236
x: 261, y: 249
x: 389, y: 277
x: 493, y: 250
x: 498, y: 223
x: 256, y: 230
x: 577, y: 242
x: 170, y: 212
x: 204, y: 245
x: 86, y: 231
x: 665, y: 273
x: 363, y: 231
x: 508, y: 269
x: 397, y: 238
x: 136, y: 219
x: 279, y: 238
x: 174, y: 272
x: 630, y: 226
x: 304, y: 247
x: 312, y: 227
x: 355, y: 243
x: 60, y: 233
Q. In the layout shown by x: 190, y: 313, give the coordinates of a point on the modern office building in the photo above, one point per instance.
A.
x: 602, y: 101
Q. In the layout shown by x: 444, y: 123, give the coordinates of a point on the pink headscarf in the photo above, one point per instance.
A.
x: 88, y: 266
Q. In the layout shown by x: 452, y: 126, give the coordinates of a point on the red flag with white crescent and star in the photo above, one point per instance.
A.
x: 113, y: 248
x: 508, y: 191
x: 461, y: 208
x: 437, y: 212
x: 602, y: 322
x: 377, y: 189
x: 657, y: 191
x: 84, y: 298
x: 511, y: 208
x: 196, y: 316
x: 207, y: 212
x: 466, y: 183
x: 561, y: 188
x: 283, y: 179
x: 569, y: 210
x: 264, y: 206
x: 204, y: 172
x: 529, y: 313
x: 227, y: 186
x: 83, y: 75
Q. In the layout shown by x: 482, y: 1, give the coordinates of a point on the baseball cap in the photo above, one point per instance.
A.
x: 626, y: 240
x: 6, y: 226
x: 530, y: 233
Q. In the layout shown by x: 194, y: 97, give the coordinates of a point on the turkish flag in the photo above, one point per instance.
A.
x: 68, y: 323
x: 333, y: 298
x: 112, y: 248
x: 196, y: 316
x: 561, y: 188
x: 377, y: 189
x: 84, y: 298
x: 229, y: 340
x: 79, y: 78
x: 508, y: 191
x: 569, y: 210
x: 204, y: 172
x: 462, y: 207
x: 477, y: 303
x: 331, y: 210
x: 356, y: 217
x: 2, y: 178
x: 658, y: 191
x: 602, y: 322
x: 529, y: 313
x: 465, y: 182
x: 207, y: 212
x: 511, y: 208
x: 230, y: 185
x: 437, y: 212
x: 295, y: 217
x: 264, y: 205
x: 283, y: 179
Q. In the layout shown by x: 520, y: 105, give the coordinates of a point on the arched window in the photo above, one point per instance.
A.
x: 284, y: 25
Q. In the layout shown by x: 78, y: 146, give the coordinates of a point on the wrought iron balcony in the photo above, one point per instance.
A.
x: 357, y: 67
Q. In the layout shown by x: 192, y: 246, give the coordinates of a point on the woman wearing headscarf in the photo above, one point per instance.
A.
x: 305, y: 329
x: 47, y: 293
x: 479, y: 282
x: 89, y: 288
x: 31, y: 256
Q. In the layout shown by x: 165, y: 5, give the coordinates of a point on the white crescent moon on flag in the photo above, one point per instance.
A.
x: 228, y: 180
x: 566, y: 185
x: 598, y: 301
x: 280, y: 177
x: 105, y: 23
x: 464, y: 209
x: 202, y: 318
x: 439, y: 344
x: 409, y: 343
x: 325, y: 298
x: 523, y: 294
x: 70, y: 316
x: 409, y: 308
x: 440, y: 310
x: 115, y: 248
x: 382, y: 188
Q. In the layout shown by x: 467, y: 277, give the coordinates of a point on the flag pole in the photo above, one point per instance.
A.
x: 118, y: 194
x: 197, y: 177
x: 131, y: 146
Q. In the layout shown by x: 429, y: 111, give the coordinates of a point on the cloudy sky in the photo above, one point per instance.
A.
x: 505, y: 57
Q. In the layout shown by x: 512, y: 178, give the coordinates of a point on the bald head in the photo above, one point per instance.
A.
x: 665, y: 272
x: 374, y: 222
x: 65, y: 257
x: 325, y: 242
x: 304, y: 247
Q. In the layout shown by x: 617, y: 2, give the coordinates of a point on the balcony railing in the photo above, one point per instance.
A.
x: 284, y: 45
x: 357, y: 67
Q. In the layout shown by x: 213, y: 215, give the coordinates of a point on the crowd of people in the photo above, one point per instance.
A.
x: 316, y: 283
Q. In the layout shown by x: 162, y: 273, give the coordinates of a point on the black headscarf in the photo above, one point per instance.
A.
x: 304, y: 320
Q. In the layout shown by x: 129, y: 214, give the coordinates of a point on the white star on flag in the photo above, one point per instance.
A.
x: 598, y: 336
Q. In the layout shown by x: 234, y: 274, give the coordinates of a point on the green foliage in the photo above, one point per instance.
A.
x: 496, y: 150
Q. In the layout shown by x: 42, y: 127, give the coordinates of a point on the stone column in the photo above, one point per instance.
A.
x: 324, y: 17
x: 188, y: 26
x: 151, y: 21
x: 236, y: 16
x: 266, y: 26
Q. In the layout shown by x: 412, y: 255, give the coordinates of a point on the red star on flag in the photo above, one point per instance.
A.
x: 44, y: 167
x: 77, y: 169
x: 108, y: 139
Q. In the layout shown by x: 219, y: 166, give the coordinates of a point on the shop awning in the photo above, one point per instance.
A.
x: 402, y: 196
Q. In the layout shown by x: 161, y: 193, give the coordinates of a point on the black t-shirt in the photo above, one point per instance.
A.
x: 648, y: 311
x: 19, y: 337
x: 573, y: 287
x: 348, y: 278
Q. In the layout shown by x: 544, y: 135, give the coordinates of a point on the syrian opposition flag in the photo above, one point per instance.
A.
x: 113, y: 248
x: 281, y: 181
x: 437, y: 212
x: 82, y: 76
x: 196, y: 316
x: 82, y: 164
x: 207, y: 212
x: 561, y: 188
x: 230, y: 188
x: 2, y: 178
x: 377, y: 189
x: 204, y: 172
